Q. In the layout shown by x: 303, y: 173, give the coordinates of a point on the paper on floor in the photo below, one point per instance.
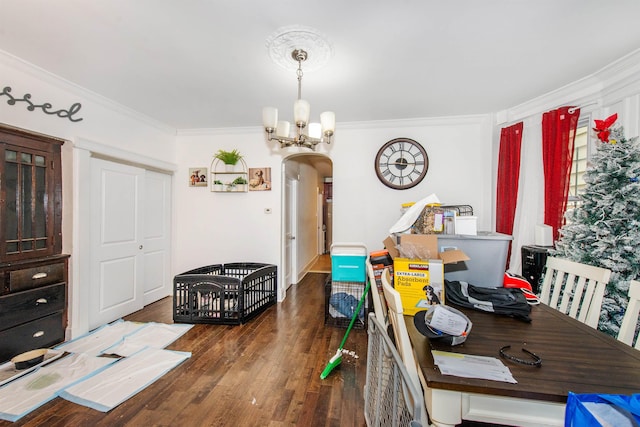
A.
x: 95, y: 342
x: 27, y: 393
x: 8, y: 371
x: 155, y: 335
x: 112, y: 386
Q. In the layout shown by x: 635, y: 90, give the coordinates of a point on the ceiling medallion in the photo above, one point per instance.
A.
x: 290, y: 47
x: 287, y: 39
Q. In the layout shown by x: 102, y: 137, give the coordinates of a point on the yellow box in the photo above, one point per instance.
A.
x: 420, y: 283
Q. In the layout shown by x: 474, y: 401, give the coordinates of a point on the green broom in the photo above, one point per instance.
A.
x: 337, y: 358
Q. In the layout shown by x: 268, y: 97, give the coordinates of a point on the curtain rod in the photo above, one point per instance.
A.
x: 571, y: 110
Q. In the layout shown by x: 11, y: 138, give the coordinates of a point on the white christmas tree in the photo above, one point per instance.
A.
x: 604, y: 230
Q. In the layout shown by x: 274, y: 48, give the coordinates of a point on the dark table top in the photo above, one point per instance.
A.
x: 574, y: 356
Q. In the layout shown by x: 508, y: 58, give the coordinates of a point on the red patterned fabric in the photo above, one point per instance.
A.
x: 558, y: 136
x: 508, y: 176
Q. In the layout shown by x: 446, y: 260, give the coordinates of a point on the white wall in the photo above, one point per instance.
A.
x: 460, y: 163
x: 218, y: 228
x: 120, y: 131
x: 215, y: 228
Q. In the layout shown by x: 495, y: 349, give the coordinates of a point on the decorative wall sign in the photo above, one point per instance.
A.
x: 259, y: 179
x: 45, y: 107
x: 198, y: 177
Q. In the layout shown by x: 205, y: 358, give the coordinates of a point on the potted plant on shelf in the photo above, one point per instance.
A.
x: 229, y: 158
x: 217, y: 185
x: 240, y: 183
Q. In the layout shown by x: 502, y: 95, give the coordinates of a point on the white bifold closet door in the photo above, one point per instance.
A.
x: 130, y: 217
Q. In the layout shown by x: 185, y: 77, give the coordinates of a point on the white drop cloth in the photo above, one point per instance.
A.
x: 95, y: 342
x: 112, y: 386
x: 31, y: 391
x: 155, y: 335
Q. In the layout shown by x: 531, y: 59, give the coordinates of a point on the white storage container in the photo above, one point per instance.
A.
x: 488, y: 252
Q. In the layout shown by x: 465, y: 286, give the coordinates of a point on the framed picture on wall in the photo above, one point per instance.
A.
x: 259, y: 179
x: 198, y: 177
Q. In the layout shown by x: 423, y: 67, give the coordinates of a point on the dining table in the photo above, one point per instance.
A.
x: 573, y: 358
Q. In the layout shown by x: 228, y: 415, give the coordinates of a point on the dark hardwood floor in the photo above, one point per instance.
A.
x: 263, y: 373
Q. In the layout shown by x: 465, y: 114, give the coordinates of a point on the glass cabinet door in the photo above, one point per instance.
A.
x: 26, y: 193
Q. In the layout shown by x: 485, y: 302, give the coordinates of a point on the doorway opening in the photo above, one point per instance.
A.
x: 305, y: 222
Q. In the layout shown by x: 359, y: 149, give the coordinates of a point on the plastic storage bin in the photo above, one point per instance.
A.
x: 346, y: 285
x: 348, y: 262
x: 488, y: 252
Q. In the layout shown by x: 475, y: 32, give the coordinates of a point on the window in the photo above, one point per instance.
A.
x: 579, y: 165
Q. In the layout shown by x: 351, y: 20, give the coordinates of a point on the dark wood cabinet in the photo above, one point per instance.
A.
x: 33, y: 272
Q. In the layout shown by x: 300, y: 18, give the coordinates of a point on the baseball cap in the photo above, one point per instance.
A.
x: 456, y: 323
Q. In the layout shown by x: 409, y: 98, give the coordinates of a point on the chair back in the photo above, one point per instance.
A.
x: 396, y: 318
x: 377, y: 296
x: 390, y: 396
x: 630, y: 320
x: 574, y: 289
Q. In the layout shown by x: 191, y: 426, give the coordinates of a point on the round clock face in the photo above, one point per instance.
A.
x: 401, y: 163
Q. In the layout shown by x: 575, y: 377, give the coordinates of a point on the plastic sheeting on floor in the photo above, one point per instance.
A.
x: 93, y: 343
x: 106, y: 338
x: 74, y: 376
x: 154, y: 335
x: 115, y: 384
x: 29, y: 392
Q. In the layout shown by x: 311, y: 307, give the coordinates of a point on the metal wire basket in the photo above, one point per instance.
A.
x: 390, y: 398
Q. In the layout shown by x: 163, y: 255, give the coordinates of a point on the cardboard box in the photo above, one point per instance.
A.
x: 420, y: 282
x: 380, y: 260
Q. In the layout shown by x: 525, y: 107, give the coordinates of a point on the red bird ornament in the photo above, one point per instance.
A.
x: 602, y: 127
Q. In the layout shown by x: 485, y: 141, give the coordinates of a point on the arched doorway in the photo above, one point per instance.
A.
x: 303, y: 177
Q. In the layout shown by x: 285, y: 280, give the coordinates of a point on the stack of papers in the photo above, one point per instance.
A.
x: 470, y: 366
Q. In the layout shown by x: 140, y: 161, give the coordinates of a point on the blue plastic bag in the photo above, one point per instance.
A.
x: 596, y: 410
x: 346, y: 304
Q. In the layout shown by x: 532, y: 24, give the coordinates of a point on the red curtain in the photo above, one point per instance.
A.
x: 508, y: 176
x: 558, y: 136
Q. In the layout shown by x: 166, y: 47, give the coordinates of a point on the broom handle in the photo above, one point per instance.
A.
x: 355, y: 315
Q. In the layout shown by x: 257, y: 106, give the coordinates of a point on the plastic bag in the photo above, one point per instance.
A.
x: 345, y: 304
x: 596, y: 410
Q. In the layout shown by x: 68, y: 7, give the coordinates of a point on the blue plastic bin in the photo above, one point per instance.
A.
x: 348, y: 262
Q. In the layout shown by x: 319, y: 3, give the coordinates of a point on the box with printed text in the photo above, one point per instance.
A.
x: 420, y: 282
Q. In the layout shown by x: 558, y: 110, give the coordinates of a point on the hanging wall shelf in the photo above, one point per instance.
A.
x: 225, y: 179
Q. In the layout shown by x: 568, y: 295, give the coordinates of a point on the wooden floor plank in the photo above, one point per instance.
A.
x: 263, y: 373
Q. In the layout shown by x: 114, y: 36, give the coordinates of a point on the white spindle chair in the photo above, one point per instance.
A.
x: 403, y: 342
x: 575, y: 289
x: 630, y: 319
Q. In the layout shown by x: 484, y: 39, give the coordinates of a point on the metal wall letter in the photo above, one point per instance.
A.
x: 46, y: 107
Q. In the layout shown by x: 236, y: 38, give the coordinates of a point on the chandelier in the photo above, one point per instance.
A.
x: 316, y: 132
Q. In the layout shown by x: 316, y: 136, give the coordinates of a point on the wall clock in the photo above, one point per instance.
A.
x: 401, y: 163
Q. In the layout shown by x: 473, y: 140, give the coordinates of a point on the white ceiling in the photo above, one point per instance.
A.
x: 204, y: 63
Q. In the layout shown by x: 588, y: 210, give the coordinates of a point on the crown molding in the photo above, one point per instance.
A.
x: 603, y: 86
x: 47, y: 77
x: 476, y: 119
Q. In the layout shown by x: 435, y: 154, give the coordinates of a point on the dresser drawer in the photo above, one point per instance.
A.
x: 41, y: 333
x: 25, y: 306
x: 34, y: 277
